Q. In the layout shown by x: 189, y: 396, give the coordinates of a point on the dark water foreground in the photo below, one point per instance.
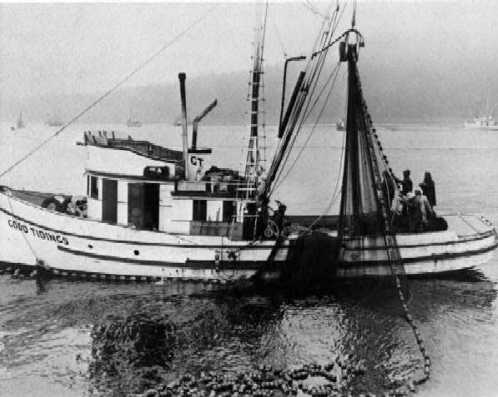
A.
x: 65, y: 338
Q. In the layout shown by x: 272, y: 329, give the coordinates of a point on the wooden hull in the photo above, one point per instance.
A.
x: 71, y: 245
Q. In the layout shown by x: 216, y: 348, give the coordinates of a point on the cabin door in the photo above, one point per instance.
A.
x: 143, y: 205
x: 109, y: 200
x: 151, y: 206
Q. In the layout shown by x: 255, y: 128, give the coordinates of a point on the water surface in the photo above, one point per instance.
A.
x: 51, y: 338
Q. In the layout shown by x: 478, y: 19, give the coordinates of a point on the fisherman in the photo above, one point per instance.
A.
x: 278, y: 216
x: 77, y: 206
x: 429, y: 188
x: 262, y: 215
x: 411, y: 213
x: 423, y: 211
x: 406, y: 183
x: 397, y: 208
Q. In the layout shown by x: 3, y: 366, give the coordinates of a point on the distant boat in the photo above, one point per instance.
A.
x: 340, y: 125
x: 178, y: 121
x: 133, y: 122
x: 54, y: 121
x: 20, y: 123
x: 482, y: 123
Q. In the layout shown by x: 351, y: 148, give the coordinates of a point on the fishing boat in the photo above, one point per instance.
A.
x: 20, y: 122
x: 155, y: 212
x: 151, y: 212
x: 340, y: 126
x: 133, y: 122
x: 54, y: 121
x: 482, y: 123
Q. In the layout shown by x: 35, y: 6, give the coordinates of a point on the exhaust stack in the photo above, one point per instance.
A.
x: 182, y: 77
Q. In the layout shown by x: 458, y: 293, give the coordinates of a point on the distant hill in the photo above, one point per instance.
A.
x: 412, y: 93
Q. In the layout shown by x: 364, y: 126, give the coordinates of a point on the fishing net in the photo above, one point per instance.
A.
x: 368, y: 187
x: 368, y: 184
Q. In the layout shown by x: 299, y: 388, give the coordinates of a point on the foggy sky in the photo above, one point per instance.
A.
x: 86, y: 48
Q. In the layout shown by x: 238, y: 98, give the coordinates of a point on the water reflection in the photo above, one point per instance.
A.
x: 119, y: 339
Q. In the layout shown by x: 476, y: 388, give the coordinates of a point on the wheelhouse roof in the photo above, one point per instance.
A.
x: 143, y: 148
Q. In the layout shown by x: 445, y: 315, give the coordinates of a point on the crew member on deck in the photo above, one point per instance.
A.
x: 422, y: 211
x: 406, y: 183
x: 429, y: 188
x: 279, y: 215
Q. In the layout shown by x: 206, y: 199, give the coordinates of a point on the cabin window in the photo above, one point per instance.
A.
x: 229, y: 208
x: 94, y: 187
x: 199, y: 212
x: 156, y: 172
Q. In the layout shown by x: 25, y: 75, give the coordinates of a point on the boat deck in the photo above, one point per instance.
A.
x: 467, y: 225
x: 462, y: 225
x: 328, y: 222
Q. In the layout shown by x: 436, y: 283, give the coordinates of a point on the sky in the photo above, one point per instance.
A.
x: 66, y: 48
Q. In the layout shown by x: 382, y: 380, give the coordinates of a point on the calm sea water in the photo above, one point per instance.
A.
x: 49, y: 339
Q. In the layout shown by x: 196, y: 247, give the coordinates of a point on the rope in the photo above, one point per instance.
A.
x: 335, y: 194
x: 111, y: 90
x: 299, y: 116
x: 353, y: 19
x: 393, y: 253
x: 416, y: 334
x: 279, y: 39
x: 333, y: 77
x: 305, y: 101
x: 313, y: 10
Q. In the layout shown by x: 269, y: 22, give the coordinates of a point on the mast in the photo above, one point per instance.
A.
x: 367, y: 178
x: 254, y: 158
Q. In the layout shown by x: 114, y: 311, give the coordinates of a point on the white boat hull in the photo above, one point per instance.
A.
x: 69, y: 245
x: 467, y: 243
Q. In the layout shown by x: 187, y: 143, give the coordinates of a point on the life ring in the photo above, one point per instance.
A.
x: 271, y: 229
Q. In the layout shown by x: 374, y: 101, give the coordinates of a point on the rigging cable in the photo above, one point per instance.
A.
x: 313, y: 10
x: 317, y: 65
x: 312, y: 67
x: 313, y: 79
x: 353, y: 19
x: 112, y: 89
x: 333, y: 78
x: 279, y: 39
x: 336, y: 191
